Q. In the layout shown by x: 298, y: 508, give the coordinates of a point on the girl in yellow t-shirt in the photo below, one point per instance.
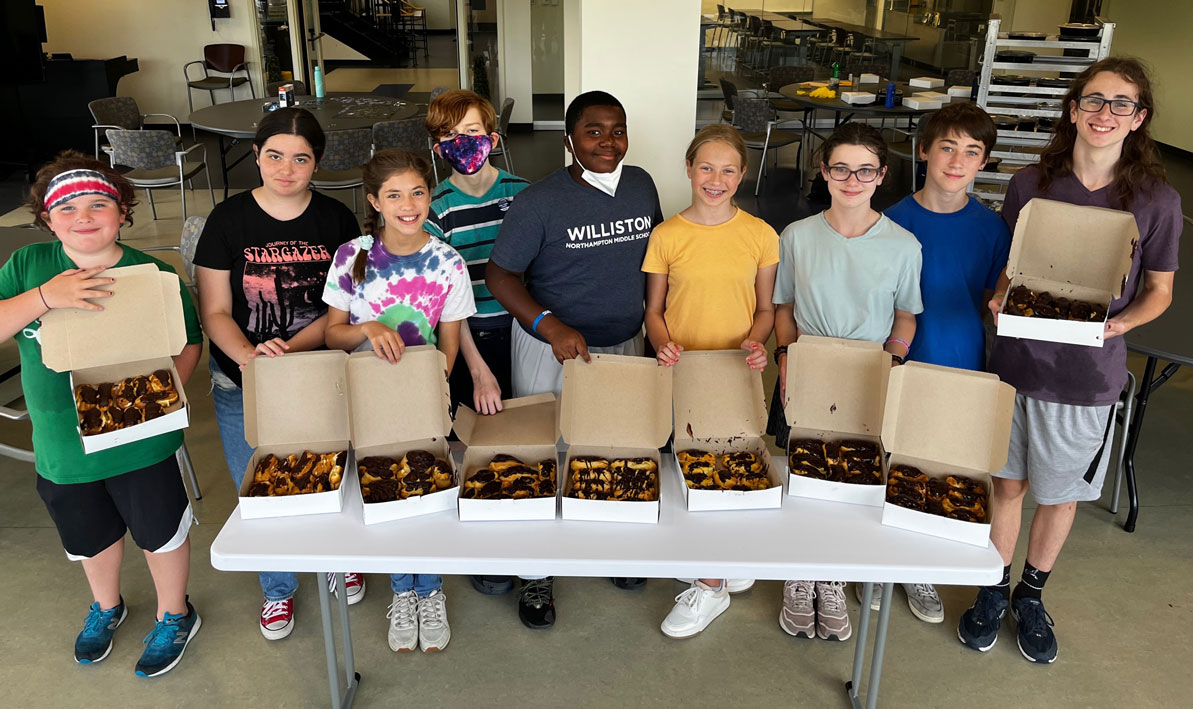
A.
x: 710, y: 274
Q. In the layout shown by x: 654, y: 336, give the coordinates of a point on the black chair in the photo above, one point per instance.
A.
x: 226, y: 59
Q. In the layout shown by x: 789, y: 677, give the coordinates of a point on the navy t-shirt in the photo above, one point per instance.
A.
x: 963, y: 254
x: 581, y: 251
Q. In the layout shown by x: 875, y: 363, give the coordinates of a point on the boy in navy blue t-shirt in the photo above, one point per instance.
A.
x: 964, y: 246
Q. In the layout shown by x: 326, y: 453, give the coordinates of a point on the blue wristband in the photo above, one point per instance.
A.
x: 535, y: 326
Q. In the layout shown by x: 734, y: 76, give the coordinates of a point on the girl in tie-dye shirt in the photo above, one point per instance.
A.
x: 395, y: 286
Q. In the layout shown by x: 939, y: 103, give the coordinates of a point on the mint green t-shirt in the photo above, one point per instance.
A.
x: 848, y: 288
x: 57, y: 451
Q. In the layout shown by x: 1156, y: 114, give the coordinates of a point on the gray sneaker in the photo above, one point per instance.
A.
x: 832, y: 616
x: 875, y: 596
x: 924, y: 602
x: 798, y: 615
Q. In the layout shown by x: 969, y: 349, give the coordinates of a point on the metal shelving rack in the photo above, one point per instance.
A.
x: 1022, y: 147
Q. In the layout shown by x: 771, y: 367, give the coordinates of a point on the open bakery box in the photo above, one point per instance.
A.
x: 720, y: 407
x: 1078, y: 253
x: 615, y: 407
x: 138, y: 332
x: 295, y: 403
x: 946, y: 421
x: 397, y: 408
x: 525, y: 428
x: 836, y: 390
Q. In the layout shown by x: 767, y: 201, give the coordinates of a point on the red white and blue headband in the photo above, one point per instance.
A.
x: 76, y: 183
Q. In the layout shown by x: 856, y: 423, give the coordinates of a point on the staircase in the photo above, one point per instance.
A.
x: 368, y: 26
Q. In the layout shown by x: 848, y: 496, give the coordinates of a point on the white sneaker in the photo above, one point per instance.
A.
x: 924, y: 602
x: 875, y: 597
x: 354, y: 586
x: 403, y: 622
x: 277, y: 618
x: 694, y: 609
x: 433, y: 631
x: 734, y: 586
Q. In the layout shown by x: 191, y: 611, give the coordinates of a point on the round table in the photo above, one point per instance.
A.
x: 238, y: 120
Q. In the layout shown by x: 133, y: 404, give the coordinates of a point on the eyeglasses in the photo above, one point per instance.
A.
x: 840, y: 173
x: 1118, y: 106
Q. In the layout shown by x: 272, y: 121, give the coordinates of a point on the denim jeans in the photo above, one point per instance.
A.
x: 423, y: 584
x: 229, y: 416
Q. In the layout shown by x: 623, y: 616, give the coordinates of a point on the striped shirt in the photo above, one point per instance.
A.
x: 470, y: 225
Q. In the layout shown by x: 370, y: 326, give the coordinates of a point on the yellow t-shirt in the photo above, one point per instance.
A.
x: 710, y: 277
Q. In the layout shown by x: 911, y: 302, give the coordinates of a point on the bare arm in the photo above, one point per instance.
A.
x: 656, y: 324
x: 764, y: 317
x: 215, y: 311
x: 903, y: 329
x: 186, y: 361
x: 786, y: 332
x: 486, y: 392
x: 999, y: 295
x: 509, y: 290
x: 66, y: 290
x: 449, y: 341
x: 1149, y: 304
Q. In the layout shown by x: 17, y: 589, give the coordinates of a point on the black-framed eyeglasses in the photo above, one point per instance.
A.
x: 840, y: 173
x: 1118, y: 106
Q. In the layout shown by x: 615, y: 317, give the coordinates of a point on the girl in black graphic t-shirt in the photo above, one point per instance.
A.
x: 261, y: 264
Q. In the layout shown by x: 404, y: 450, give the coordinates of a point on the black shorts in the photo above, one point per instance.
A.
x: 90, y: 517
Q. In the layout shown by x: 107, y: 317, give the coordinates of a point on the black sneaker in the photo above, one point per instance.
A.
x: 629, y: 584
x: 978, y: 627
x: 1037, y: 642
x: 492, y: 585
x: 536, y: 605
x: 95, y: 639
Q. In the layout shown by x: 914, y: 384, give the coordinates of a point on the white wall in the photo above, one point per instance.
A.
x: 514, y: 57
x: 652, y: 72
x: 162, y: 34
x: 546, y: 56
x: 439, y: 13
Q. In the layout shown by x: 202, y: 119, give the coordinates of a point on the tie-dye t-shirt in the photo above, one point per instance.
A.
x: 411, y: 294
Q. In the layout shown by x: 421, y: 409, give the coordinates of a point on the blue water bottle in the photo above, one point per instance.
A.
x: 890, y: 95
x: 318, y: 82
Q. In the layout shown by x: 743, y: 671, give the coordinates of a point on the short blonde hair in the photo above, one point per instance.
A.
x: 717, y: 133
x: 450, y: 107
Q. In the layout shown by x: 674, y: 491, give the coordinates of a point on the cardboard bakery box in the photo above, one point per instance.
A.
x: 960, y: 91
x: 858, y: 97
x: 922, y: 103
x: 946, y: 421
x: 933, y: 96
x: 525, y: 428
x: 813, y: 84
x: 294, y: 403
x: 1080, y: 253
x: 616, y: 407
x: 396, y: 408
x: 926, y: 82
x: 138, y: 332
x: 836, y: 390
x: 720, y: 407
x: 868, y: 79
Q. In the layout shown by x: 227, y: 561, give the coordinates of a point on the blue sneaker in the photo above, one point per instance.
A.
x: 1037, y: 642
x: 95, y: 639
x: 166, y: 643
x: 978, y: 627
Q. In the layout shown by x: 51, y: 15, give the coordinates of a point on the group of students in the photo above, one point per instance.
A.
x: 518, y: 277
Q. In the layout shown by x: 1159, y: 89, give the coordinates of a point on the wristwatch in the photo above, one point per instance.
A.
x: 780, y: 350
x: 897, y: 358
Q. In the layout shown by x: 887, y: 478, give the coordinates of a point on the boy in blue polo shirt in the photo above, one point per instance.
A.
x: 964, y: 247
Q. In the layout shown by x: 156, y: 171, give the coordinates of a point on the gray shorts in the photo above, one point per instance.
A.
x: 534, y: 369
x: 1062, y: 450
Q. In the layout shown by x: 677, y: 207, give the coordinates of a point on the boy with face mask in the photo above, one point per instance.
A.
x: 567, y: 265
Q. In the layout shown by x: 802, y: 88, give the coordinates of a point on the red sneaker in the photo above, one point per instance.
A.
x: 277, y: 619
x: 354, y: 584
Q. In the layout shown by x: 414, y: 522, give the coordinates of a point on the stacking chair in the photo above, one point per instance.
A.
x: 122, y: 112
x: 761, y: 130
x: 407, y: 134
x: 437, y: 91
x: 344, y: 156
x: 503, y: 130
x: 156, y: 162
x: 905, y: 145
x: 226, y: 59
x: 781, y: 76
x: 414, y: 26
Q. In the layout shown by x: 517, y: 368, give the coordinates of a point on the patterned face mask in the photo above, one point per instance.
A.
x: 466, y: 153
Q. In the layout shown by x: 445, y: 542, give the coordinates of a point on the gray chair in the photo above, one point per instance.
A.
x: 503, y: 130
x: 344, y: 156
x: 122, y: 112
x: 407, y: 134
x: 905, y: 145
x: 156, y: 163
x: 786, y: 75
x: 435, y: 92
x: 761, y: 130
x: 226, y: 59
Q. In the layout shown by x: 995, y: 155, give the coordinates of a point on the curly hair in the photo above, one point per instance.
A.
x: 74, y: 160
x: 384, y: 165
x: 1139, y: 166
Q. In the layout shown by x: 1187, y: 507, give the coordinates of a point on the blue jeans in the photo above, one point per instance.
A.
x: 229, y: 416
x: 423, y: 584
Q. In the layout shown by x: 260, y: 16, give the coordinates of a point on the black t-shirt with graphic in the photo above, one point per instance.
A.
x: 278, y: 268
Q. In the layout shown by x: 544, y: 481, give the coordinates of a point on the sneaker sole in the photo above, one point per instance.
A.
x: 924, y: 616
x: 796, y: 633
x: 84, y: 661
x: 280, y: 632
x: 1023, y: 652
x: 698, y: 631
x: 834, y: 637
x: 446, y: 640
x: 190, y: 636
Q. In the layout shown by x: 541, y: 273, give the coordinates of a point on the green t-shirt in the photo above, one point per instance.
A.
x: 57, y: 450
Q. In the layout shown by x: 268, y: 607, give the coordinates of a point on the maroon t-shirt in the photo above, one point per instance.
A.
x: 1076, y: 374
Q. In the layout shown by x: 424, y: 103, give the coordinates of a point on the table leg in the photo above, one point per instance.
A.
x: 896, y: 56
x: 859, y: 650
x: 884, y: 617
x: 329, y: 644
x: 224, y: 163
x: 350, y: 675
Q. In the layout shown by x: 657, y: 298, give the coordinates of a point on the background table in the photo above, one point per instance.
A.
x: 806, y: 539
x: 239, y: 119
x: 881, y: 37
x: 1168, y: 338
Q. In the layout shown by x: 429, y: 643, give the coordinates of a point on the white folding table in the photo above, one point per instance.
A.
x: 806, y: 539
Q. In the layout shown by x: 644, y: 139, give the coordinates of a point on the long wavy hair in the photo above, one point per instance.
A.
x: 1139, y: 166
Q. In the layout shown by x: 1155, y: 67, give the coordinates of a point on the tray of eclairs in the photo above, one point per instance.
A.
x: 298, y: 474
x: 618, y: 479
x: 855, y: 462
x: 739, y: 470
x: 419, y: 472
x: 111, y: 406
x: 952, y: 496
x: 507, y: 477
